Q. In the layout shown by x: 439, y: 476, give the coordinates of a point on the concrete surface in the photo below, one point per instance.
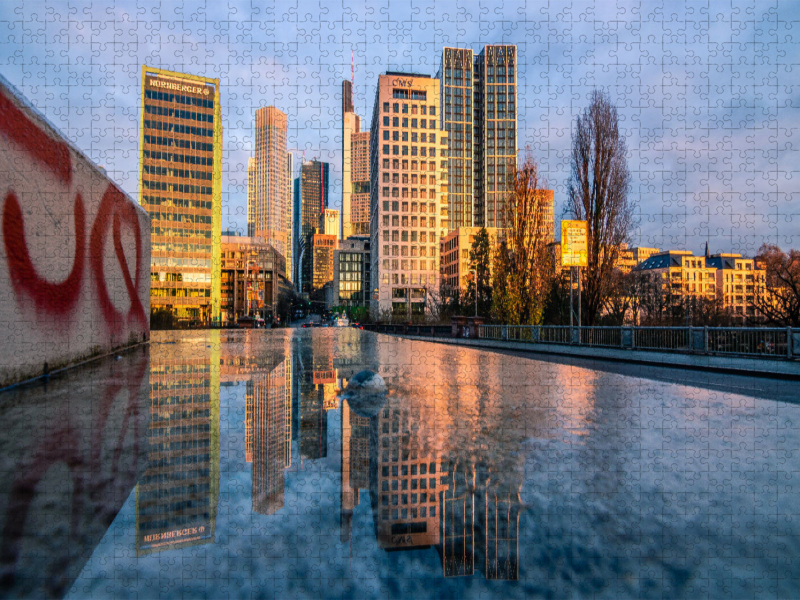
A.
x: 75, y: 257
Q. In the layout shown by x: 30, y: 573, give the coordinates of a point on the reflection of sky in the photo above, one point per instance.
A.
x: 705, y: 90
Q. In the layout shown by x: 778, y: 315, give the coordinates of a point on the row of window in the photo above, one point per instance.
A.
x: 178, y: 202
x: 170, y: 261
x: 179, y: 114
x: 404, y: 498
x: 181, y: 188
x: 185, y: 173
x: 181, y: 217
x: 395, y: 206
x: 178, y: 143
x: 396, y: 108
x: 179, y: 98
x: 179, y: 293
x: 422, y: 194
x: 176, y: 247
x: 423, y: 165
x: 403, y: 236
x: 405, y: 512
x: 177, y: 128
x: 205, y: 161
x: 398, y: 136
x: 415, y: 151
x: 428, y: 279
x: 396, y: 221
x: 408, y: 265
x: 415, y: 179
x: 423, y: 123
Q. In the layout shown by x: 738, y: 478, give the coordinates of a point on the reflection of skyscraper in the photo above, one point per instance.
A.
x: 355, y: 465
x: 498, y: 533
x: 269, y: 440
x: 404, y: 481
x: 313, y: 420
x: 457, y: 549
x: 176, y: 497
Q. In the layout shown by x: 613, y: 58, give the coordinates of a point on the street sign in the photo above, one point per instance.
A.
x: 574, y: 244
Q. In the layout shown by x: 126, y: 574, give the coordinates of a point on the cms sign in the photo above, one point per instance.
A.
x: 402, y: 82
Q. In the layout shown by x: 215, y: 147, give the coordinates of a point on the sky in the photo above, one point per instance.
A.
x: 708, y: 93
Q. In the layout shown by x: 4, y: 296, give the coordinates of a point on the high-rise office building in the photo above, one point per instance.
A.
x: 495, y: 130
x: 290, y: 239
x: 455, y: 75
x: 270, y: 194
x: 180, y: 186
x: 330, y: 222
x: 251, y: 199
x: 297, y: 227
x: 408, y: 192
x: 355, y: 170
x: 314, y: 175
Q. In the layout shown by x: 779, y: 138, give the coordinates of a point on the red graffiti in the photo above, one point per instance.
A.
x: 115, y: 206
x: 47, y: 151
x: 115, y: 212
x: 57, y: 298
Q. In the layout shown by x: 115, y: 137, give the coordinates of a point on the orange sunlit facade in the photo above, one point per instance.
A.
x: 180, y: 186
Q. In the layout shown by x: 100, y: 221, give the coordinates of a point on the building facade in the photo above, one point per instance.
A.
x: 180, y: 186
x: 290, y: 237
x: 495, y: 130
x: 269, y: 182
x: 351, y: 273
x: 408, y: 193
x: 355, y: 169
x: 675, y: 279
x: 455, y: 76
x: 330, y: 222
x: 739, y: 282
x: 454, y: 256
x: 314, y: 182
x: 318, y: 263
x: 251, y: 277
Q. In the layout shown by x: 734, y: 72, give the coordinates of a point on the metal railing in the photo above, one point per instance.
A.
x: 762, y: 342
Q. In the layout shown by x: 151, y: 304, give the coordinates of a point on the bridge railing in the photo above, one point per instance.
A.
x: 763, y: 342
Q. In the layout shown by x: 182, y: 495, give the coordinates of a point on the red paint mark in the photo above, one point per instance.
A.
x: 57, y: 298
x: 48, y: 151
x: 114, y: 210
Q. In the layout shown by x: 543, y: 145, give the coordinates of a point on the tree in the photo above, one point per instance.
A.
x: 523, y: 267
x: 597, y: 192
x: 480, y: 259
x: 779, y: 298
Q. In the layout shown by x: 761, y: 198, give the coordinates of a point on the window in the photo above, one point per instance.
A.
x: 386, y: 133
x: 396, y: 107
x: 405, y: 109
x: 385, y: 121
x: 432, y: 111
x: 386, y: 107
x: 405, y: 121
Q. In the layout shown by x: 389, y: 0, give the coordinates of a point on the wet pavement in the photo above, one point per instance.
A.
x: 243, y: 464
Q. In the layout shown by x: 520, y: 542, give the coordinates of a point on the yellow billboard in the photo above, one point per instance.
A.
x: 574, y: 244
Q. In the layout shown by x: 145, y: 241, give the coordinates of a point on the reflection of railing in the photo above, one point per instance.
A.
x: 762, y: 342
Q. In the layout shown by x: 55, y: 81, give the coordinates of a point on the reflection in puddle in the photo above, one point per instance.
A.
x: 248, y: 466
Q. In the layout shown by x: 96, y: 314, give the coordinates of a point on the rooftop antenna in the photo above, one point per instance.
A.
x: 352, y: 77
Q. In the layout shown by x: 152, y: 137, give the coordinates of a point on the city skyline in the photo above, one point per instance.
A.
x: 684, y: 133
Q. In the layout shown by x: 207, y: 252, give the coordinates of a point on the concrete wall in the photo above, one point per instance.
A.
x: 75, y: 252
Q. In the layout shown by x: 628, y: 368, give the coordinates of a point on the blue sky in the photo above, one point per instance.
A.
x: 708, y: 92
